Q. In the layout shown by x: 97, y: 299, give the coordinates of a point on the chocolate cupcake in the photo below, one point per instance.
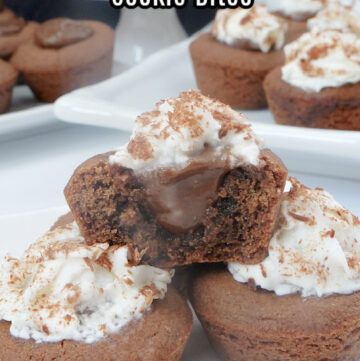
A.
x: 65, y: 55
x: 301, y: 303
x: 8, y: 78
x: 66, y: 300
x: 231, y: 63
x: 194, y: 184
x: 319, y: 86
x: 14, y: 31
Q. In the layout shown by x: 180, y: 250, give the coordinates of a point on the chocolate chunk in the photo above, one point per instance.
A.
x: 60, y: 32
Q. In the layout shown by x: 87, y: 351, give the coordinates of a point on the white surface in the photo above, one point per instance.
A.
x: 115, y: 103
x: 25, y: 112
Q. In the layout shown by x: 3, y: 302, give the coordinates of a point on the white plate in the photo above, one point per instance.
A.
x: 25, y: 112
x: 115, y: 103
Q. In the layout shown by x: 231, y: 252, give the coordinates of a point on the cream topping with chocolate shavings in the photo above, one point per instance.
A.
x: 253, y: 28
x: 185, y: 129
x: 64, y: 289
x: 315, y: 250
x: 318, y: 60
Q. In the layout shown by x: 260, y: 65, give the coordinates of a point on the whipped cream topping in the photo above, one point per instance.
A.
x: 319, y: 60
x: 181, y: 130
x: 336, y: 17
x: 253, y: 28
x: 315, y: 251
x: 64, y: 289
x: 298, y: 10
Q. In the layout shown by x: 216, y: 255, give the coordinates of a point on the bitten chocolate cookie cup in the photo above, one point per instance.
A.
x: 332, y: 108
x: 245, y: 324
x: 160, y: 335
x: 53, y: 71
x: 233, y: 75
x: 8, y: 78
x: 110, y: 204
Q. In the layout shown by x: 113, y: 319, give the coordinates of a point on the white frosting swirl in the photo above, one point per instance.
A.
x: 64, y: 289
x: 315, y: 250
x: 336, y: 17
x: 253, y: 28
x: 299, y: 10
x: 181, y: 130
x: 319, y: 60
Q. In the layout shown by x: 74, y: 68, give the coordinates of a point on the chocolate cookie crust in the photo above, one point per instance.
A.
x: 11, y: 40
x: 109, y: 203
x: 160, y: 335
x: 52, y: 72
x: 233, y: 75
x: 333, y: 108
x: 8, y: 78
x: 245, y: 324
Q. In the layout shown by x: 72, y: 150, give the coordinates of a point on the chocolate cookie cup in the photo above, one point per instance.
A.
x: 65, y: 55
x: 8, y: 78
x: 332, y: 108
x: 125, y: 215
x: 160, y: 335
x: 159, y: 332
x: 232, y: 74
x: 301, y: 302
x: 245, y: 324
x: 14, y: 31
x: 193, y: 184
x: 318, y: 86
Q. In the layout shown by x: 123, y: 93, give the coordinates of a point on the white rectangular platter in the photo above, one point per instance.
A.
x: 115, y: 103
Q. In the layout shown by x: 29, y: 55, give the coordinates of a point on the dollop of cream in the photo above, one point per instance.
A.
x: 64, y: 289
x: 298, y: 10
x: 253, y: 28
x: 336, y: 17
x: 315, y: 251
x: 318, y: 60
x: 186, y: 129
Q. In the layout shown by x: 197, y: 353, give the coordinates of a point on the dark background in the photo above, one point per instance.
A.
x: 40, y: 10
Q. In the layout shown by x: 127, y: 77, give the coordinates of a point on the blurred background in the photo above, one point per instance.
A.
x: 192, y: 19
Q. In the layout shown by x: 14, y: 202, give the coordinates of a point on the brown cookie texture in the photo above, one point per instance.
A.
x: 232, y: 75
x: 331, y: 108
x: 160, y: 335
x: 10, y: 41
x: 110, y: 204
x: 245, y: 324
x: 8, y: 78
x: 52, y: 72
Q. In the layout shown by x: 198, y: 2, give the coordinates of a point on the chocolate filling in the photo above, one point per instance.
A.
x: 179, y: 198
x: 58, y: 33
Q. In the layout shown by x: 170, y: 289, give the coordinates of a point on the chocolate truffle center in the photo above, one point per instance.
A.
x: 58, y: 33
x: 180, y: 197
